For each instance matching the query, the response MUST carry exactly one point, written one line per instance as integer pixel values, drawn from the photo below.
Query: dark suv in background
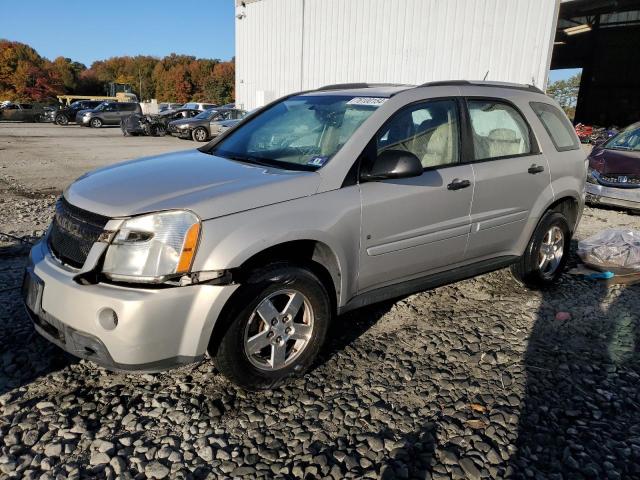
(68, 114)
(107, 113)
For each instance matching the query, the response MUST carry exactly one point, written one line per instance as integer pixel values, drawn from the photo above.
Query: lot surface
(473, 380)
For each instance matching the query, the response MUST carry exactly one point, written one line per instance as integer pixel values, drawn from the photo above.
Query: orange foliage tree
(25, 75)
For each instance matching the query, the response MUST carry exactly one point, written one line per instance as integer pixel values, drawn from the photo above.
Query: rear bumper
(616, 197)
(157, 328)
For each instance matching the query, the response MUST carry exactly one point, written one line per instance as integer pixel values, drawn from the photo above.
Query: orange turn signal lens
(189, 248)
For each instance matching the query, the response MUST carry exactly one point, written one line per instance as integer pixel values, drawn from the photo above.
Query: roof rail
(453, 83)
(344, 86)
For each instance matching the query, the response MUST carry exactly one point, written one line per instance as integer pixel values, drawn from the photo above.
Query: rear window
(557, 126)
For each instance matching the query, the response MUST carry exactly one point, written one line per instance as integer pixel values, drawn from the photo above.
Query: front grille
(73, 232)
(631, 179)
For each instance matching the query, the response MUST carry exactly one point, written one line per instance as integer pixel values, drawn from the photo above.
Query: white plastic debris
(615, 250)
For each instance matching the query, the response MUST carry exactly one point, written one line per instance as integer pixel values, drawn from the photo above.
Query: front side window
(429, 130)
(498, 130)
(557, 126)
(300, 132)
(627, 139)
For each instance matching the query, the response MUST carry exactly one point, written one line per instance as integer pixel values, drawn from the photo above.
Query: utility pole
(140, 80)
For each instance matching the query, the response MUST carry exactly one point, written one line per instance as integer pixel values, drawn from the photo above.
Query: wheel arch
(569, 206)
(313, 254)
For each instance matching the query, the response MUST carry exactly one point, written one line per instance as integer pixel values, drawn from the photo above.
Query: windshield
(628, 139)
(206, 115)
(301, 132)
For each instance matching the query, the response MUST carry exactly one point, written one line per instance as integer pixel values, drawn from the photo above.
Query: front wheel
(96, 123)
(274, 328)
(546, 254)
(62, 119)
(200, 134)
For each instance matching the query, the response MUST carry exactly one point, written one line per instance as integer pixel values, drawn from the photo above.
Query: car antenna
(485, 76)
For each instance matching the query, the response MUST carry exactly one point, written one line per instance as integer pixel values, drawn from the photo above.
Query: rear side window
(557, 126)
(498, 129)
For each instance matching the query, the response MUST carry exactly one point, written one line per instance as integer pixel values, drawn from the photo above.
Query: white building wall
(287, 45)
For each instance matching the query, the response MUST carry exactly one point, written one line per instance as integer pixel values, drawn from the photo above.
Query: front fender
(332, 218)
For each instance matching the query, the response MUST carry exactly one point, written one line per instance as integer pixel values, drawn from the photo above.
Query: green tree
(565, 92)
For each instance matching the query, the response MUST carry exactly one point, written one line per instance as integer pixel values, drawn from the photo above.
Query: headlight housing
(153, 248)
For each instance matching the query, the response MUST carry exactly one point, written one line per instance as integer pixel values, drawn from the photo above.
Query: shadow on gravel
(581, 412)
(24, 354)
(347, 328)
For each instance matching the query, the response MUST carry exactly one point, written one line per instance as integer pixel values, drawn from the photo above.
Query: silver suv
(319, 203)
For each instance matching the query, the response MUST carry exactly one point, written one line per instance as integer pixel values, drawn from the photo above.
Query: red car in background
(613, 176)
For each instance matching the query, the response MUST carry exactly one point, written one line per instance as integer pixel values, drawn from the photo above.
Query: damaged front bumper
(156, 328)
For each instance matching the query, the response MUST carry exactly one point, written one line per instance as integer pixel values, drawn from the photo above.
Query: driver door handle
(457, 184)
(533, 169)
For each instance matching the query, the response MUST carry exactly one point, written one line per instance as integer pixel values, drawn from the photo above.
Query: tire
(270, 289)
(551, 239)
(160, 131)
(62, 119)
(200, 134)
(95, 122)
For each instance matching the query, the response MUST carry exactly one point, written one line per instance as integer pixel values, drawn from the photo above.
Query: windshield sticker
(318, 161)
(367, 101)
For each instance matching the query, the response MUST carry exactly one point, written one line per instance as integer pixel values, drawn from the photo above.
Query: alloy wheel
(551, 251)
(200, 135)
(279, 330)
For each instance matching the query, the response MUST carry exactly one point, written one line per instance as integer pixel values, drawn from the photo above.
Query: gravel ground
(479, 379)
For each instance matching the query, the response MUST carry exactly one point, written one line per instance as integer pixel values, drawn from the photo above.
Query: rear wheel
(546, 254)
(96, 123)
(274, 327)
(200, 134)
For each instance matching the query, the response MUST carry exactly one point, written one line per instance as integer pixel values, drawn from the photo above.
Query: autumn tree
(25, 75)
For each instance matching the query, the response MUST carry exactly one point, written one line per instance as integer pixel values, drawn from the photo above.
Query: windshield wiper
(246, 159)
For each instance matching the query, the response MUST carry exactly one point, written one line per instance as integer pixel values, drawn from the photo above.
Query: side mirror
(393, 164)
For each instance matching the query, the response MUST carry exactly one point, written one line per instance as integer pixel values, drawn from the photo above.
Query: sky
(562, 74)
(86, 31)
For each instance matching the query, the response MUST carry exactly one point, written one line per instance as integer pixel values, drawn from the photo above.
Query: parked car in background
(177, 114)
(22, 112)
(219, 127)
(222, 126)
(138, 124)
(68, 114)
(199, 105)
(614, 170)
(168, 106)
(107, 113)
(327, 201)
(199, 128)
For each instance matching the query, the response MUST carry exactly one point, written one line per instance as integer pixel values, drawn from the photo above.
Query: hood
(209, 186)
(609, 161)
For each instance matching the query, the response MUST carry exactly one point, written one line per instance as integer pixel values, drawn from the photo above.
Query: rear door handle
(458, 184)
(533, 169)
